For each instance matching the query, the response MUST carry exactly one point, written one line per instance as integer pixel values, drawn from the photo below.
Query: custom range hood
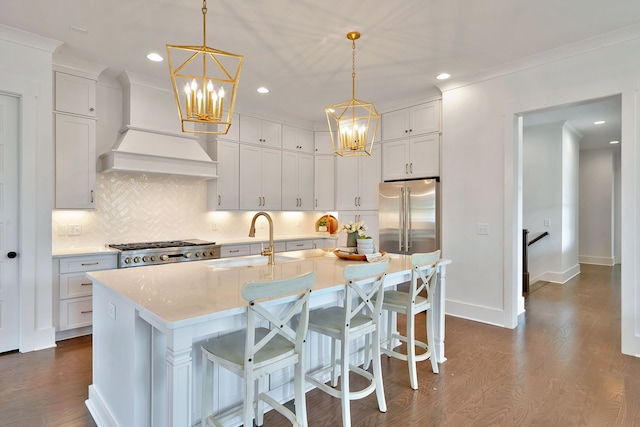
(151, 141)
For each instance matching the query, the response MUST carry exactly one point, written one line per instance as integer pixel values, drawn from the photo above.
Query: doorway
(9, 283)
(570, 171)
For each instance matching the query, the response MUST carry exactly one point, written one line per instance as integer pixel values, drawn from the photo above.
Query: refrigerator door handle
(401, 222)
(409, 219)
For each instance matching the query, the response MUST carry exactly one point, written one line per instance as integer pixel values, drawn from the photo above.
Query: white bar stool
(410, 304)
(358, 317)
(258, 351)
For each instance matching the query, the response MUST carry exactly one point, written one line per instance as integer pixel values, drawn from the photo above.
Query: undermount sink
(246, 261)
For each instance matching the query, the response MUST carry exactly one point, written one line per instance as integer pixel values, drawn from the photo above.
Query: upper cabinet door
(75, 162)
(297, 139)
(263, 132)
(75, 95)
(425, 118)
(417, 120)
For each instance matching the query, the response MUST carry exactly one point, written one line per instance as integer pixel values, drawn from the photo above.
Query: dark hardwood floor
(561, 366)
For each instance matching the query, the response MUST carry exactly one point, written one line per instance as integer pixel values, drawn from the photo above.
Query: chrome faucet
(270, 252)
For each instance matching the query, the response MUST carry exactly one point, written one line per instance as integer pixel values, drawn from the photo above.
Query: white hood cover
(148, 147)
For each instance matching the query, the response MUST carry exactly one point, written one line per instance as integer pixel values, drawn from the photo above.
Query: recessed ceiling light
(614, 142)
(263, 89)
(154, 57)
(599, 122)
(443, 76)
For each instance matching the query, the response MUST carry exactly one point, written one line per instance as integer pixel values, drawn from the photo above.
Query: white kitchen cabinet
(258, 131)
(297, 181)
(75, 95)
(322, 142)
(72, 299)
(357, 180)
(297, 139)
(75, 162)
(416, 120)
(324, 182)
(223, 192)
(411, 158)
(260, 178)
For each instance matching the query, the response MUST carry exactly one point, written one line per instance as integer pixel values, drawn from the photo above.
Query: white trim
(596, 260)
(558, 277)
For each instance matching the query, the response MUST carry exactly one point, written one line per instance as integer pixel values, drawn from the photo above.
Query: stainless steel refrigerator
(408, 217)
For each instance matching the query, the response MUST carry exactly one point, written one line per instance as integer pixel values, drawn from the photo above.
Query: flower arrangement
(355, 227)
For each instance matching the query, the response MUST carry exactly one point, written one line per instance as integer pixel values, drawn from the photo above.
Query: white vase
(365, 246)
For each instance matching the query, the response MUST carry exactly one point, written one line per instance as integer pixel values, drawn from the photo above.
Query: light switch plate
(482, 228)
(547, 222)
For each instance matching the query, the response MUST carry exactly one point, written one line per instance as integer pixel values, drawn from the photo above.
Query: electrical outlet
(214, 226)
(547, 222)
(74, 229)
(62, 230)
(482, 228)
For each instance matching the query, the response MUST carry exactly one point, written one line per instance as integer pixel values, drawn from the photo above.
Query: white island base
(149, 323)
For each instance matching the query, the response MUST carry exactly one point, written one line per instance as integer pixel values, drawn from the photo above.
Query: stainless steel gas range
(155, 253)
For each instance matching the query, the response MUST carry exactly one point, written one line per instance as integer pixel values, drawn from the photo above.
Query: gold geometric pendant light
(352, 123)
(205, 84)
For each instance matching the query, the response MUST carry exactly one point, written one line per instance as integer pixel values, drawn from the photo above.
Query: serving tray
(353, 257)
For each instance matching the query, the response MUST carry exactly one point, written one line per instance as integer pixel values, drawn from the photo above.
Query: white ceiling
(299, 49)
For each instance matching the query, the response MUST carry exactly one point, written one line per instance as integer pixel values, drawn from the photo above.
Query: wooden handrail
(546, 233)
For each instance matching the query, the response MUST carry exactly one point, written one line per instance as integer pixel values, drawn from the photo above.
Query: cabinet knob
(92, 109)
(12, 254)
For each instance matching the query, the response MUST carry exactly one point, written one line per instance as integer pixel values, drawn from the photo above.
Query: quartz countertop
(178, 294)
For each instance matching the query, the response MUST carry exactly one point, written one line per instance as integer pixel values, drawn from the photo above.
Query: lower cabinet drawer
(75, 285)
(235, 250)
(298, 245)
(75, 313)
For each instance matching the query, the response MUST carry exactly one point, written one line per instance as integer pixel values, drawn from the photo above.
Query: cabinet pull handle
(234, 251)
(91, 196)
(411, 167)
(259, 201)
(358, 202)
(86, 284)
(90, 263)
(86, 311)
(219, 200)
(406, 168)
(355, 201)
(300, 244)
(316, 203)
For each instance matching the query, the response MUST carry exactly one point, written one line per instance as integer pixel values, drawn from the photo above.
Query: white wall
(569, 266)
(597, 207)
(26, 71)
(479, 141)
(542, 196)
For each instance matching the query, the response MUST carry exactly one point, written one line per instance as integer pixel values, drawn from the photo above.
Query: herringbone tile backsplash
(139, 207)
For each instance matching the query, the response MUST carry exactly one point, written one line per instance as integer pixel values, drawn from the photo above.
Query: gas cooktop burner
(158, 245)
(153, 253)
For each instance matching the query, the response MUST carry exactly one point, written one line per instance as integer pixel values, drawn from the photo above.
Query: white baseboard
(597, 260)
(476, 313)
(557, 277)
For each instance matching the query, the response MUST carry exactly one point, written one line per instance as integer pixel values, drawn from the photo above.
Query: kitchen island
(149, 323)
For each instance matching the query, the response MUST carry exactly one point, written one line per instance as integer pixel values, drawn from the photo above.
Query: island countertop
(180, 293)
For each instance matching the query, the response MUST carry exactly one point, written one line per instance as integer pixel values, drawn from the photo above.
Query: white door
(9, 298)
